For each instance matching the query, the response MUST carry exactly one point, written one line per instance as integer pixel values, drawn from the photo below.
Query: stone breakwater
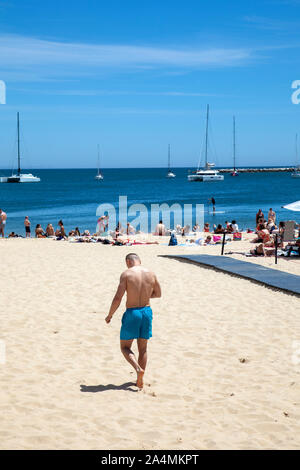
(256, 170)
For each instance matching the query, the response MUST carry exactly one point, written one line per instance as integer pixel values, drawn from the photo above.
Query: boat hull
(25, 178)
(205, 178)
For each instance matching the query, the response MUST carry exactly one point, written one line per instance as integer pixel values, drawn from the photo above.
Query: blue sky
(134, 76)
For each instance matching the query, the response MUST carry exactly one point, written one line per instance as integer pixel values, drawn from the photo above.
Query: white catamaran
(99, 175)
(170, 173)
(296, 172)
(207, 173)
(19, 177)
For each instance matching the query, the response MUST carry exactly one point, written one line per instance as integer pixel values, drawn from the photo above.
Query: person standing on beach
(259, 215)
(3, 217)
(272, 215)
(140, 285)
(27, 226)
(160, 229)
(106, 221)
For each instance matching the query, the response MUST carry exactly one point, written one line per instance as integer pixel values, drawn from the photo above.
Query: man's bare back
(140, 284)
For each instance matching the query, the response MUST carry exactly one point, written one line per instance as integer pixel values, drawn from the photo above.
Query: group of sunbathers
(49, 232)
(228, 227)
(268, 235)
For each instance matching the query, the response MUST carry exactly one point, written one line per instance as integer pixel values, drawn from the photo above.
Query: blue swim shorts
(136, 323)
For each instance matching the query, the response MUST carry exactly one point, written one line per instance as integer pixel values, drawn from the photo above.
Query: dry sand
(65, 384)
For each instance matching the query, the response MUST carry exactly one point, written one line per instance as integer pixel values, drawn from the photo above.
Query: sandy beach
(221, 373)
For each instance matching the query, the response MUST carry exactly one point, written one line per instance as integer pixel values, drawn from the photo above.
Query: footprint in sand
(188, 398)
(191, 354)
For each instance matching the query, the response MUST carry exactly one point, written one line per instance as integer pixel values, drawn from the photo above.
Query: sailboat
(296, 172)
(208, 173)
(235, 172)
(20, 177)
(170, 173)
(99, 175)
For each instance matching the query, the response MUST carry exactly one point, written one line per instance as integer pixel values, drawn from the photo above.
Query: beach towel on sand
(237, 236)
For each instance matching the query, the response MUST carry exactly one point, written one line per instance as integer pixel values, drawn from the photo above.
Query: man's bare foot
(139, 382)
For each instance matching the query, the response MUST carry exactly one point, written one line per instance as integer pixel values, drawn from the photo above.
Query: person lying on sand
(208, 240)
(140, 285)
(293, 246)
(13, 235)
(260, 250)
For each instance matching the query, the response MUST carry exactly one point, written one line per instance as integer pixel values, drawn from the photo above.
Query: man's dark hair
(133, 257)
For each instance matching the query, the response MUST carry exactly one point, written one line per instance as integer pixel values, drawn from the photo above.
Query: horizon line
(149, 167)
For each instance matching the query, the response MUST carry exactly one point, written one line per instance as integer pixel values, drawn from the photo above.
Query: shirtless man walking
(3, 218)
(141, 285)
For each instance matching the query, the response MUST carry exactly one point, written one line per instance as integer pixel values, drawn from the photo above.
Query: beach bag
(237, 236)
(216, 239)
(173, 240)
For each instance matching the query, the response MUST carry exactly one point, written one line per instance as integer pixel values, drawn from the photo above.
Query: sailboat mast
(19, 159)
(206, 135)
(98, 147)
(169, 158)
(234, 143)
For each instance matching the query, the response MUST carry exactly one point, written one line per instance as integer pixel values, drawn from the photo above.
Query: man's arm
(117, 298)
(156, 293)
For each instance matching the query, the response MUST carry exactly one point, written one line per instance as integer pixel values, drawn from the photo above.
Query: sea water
(73, 195)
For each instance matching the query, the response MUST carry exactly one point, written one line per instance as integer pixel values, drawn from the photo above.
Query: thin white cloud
(91, 92)
(271, 24)
(75, 111)
(285, 2)
(28, 59)
(182, 93)
(50, 57)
